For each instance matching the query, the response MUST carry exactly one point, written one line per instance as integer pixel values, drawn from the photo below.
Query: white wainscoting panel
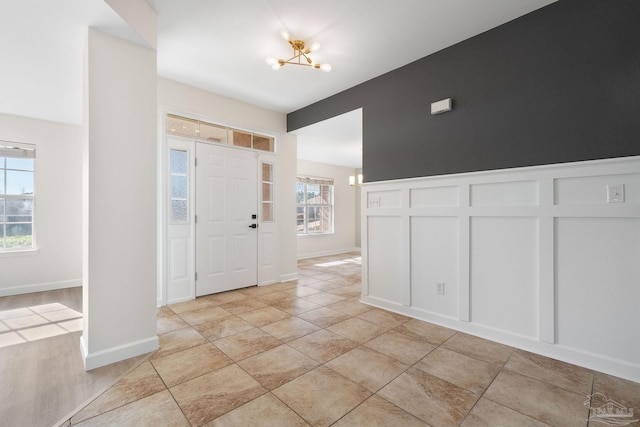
(386, 199)
(593, 189)
(524, 193)
(598, 285)
(434, 258)
(504, 274)
(435, 196)
(385, 275)
(531, 257)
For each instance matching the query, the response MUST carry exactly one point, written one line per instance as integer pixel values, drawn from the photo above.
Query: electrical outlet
(615, 193)
(439, 288)
(374, 202)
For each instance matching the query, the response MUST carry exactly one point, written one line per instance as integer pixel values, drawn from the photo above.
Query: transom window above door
(198, 129)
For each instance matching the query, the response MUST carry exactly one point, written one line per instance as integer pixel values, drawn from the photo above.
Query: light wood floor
(42, 381)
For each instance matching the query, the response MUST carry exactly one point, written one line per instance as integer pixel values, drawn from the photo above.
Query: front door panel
(226, 199)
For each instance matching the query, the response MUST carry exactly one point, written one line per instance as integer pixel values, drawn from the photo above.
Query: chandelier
(301, 56)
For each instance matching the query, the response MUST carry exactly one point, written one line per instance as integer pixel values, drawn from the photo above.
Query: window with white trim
(314, 198)
(16, 195)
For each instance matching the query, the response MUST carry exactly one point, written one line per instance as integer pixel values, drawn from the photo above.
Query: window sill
(8, 253)
(316, 234)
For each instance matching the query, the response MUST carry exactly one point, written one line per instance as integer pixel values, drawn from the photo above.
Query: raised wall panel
(504, 274)
(598, 285)
(434, 197)
(524, 193)
(434, 258)
(387, 199)
(593, 189)
(385, 252)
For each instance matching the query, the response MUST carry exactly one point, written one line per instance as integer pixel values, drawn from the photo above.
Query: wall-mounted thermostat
(440, 107)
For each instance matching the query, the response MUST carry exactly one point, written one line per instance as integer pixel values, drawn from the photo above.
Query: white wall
(532, 257)
(119, 200)
(344, 217)
(358, 211)
(197, 103)
(58, 215)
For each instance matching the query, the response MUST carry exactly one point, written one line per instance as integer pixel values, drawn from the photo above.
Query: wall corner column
(119, 200)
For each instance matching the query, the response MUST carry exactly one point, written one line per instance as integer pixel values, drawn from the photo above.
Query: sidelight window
(267, 192)
(179, 186)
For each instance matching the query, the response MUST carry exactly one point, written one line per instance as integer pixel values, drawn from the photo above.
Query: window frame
(14, 150)
(305, 205)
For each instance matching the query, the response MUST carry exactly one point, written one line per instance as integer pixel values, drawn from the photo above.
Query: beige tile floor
(309, 353)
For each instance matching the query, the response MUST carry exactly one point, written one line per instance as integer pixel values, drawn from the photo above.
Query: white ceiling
(336, 141)
(221, 46)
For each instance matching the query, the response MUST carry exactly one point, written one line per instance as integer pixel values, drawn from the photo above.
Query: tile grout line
(488, 386)
(168, 389)
(103, 391)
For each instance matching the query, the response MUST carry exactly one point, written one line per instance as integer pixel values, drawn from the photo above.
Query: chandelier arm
(309, 60)
(294, 57)
(299, 52)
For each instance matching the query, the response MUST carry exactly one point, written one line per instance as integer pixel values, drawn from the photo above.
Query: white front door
(226, 211)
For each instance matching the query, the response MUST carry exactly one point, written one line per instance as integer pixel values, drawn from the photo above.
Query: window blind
(17, 150)
(317, 181)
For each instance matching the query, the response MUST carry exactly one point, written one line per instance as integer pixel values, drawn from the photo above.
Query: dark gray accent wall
(558, 85)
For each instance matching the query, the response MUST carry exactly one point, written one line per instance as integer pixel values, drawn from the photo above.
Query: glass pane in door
(178, 186)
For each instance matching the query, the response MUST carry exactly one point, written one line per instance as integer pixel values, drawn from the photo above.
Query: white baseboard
(40, 287)
(116, 354)
(182, 299)
(289, 277)
(618, 368)
(328, 253)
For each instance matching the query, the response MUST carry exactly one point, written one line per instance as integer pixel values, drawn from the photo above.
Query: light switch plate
(374, 202)
(615, 193)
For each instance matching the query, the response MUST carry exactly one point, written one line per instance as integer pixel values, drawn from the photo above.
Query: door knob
(253, 226)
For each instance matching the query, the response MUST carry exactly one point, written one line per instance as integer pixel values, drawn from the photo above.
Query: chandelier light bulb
(276, 66)
(315, 46)
(285, 35)
(271, 60)
(325, 67)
